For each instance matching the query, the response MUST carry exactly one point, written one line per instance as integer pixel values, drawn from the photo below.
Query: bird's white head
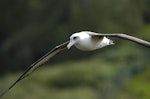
(74, 38)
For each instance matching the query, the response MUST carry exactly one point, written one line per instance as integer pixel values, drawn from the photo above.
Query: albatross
(85, 40)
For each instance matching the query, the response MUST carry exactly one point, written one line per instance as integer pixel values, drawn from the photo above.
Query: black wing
(122, 36)
(37, 64)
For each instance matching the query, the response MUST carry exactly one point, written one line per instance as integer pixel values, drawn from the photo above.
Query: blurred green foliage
(85, 79)
(30, 28)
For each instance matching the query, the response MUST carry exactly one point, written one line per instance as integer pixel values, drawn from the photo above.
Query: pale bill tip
(71, 43)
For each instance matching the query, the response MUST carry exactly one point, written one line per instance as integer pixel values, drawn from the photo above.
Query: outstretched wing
(122, 36)
(37, 64)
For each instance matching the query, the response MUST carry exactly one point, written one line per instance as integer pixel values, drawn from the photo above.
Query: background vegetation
(30, 28)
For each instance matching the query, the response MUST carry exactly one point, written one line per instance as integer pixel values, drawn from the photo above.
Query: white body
(86, 42)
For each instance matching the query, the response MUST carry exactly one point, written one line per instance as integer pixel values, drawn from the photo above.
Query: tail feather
(111, 42)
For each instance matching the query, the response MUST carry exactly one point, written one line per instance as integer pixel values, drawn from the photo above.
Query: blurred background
(30, 28)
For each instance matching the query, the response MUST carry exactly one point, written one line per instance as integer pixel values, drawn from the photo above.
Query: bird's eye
(75, 37)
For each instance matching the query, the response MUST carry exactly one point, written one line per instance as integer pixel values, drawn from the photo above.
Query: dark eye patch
(75, 37)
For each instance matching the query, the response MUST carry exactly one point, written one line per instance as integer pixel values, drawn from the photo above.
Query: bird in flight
(84, 40)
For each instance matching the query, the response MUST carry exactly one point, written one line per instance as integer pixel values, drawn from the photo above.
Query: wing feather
(37, 64)
(95, 36)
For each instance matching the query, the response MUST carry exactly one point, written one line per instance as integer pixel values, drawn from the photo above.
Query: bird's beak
(71, 43)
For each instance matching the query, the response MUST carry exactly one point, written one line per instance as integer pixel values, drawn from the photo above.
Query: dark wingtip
(4, 92)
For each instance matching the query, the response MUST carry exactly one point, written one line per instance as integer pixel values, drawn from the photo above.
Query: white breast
(88, 44)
